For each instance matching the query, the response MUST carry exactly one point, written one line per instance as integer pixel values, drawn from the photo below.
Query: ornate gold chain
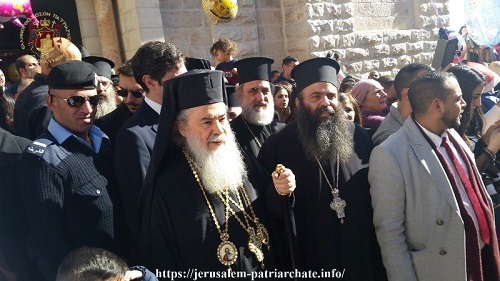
(257, 236)
(227, 253)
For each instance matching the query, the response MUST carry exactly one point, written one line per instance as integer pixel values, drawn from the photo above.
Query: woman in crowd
(484, 143)
(472, 83)
(371, 98)
(351, 108)
(282, 94)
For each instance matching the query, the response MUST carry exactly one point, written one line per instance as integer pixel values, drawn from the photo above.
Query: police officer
(66, 174)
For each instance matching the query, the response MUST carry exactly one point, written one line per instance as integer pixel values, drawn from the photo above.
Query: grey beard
(107, 103)
(220, 169)
(258, 118)
(325, 139)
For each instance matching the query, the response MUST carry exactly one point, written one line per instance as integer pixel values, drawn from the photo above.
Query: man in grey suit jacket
(402, 109)
(154, 63)
(432, 224)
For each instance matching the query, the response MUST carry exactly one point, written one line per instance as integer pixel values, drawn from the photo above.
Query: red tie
(462, 173)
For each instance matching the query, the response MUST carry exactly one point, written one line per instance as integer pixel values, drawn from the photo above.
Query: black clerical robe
(321, 241)
(247, 140)
(178, 231)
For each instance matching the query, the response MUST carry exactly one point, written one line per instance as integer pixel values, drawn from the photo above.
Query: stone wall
(88, 26)
(257, 29)
(369, 34)
(139, 22)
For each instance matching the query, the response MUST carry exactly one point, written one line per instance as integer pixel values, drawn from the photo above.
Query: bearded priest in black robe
(201, 208)
(255, 96)
(330, 218)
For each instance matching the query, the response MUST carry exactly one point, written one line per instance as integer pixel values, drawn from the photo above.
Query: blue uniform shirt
(61, 134)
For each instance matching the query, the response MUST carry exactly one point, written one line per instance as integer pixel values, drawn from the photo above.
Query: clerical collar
(154, 105)
(433, 137)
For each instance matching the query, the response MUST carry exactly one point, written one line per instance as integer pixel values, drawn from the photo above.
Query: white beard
(107, 103)
(264, 117)
(220, 169)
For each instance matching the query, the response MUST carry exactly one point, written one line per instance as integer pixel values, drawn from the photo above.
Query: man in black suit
(153, 64)
(132, 94)
(13, 252)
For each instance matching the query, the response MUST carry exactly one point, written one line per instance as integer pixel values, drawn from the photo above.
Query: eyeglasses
(136, 93)
(104, 83)
(77, 101)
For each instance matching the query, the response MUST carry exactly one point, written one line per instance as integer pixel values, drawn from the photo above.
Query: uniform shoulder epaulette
(39, 146)
(48, 151)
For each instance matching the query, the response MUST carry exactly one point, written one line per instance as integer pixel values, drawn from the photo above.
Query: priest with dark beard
(255, 96)
(201, 208)
(329, 224)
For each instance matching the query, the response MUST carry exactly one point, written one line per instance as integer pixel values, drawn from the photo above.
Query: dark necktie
(474, 200)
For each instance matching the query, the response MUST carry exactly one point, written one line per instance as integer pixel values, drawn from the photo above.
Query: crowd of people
(170, 164)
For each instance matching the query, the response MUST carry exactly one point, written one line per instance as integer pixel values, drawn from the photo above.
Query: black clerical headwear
(72, 75)
(103, 65)
(254, 68)
(231, 96)
(197, 63)
(194, 88)
(315, 70)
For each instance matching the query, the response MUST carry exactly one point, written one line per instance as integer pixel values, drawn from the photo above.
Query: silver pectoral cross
(338, 205)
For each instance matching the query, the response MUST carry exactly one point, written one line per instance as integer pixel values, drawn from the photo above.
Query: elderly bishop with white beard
(201, 208)
(329, 156)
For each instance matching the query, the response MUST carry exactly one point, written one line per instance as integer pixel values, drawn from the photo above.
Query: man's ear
(50, 102)
(239, 94)
(404, 93)
(21, 71)
(182, 128)
(297, 102)
(150, 82)
(437, 106)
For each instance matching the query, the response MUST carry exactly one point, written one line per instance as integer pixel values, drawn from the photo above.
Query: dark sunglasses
(136, 93)
(77, 101)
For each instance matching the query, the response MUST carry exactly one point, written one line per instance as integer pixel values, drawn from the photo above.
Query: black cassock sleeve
(157, 239)
(280, 211)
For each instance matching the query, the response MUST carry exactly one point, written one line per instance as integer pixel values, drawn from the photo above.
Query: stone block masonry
(383, 34)
(369, 34)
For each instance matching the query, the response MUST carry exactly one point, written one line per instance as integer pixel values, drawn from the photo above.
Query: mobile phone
(444, 53)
